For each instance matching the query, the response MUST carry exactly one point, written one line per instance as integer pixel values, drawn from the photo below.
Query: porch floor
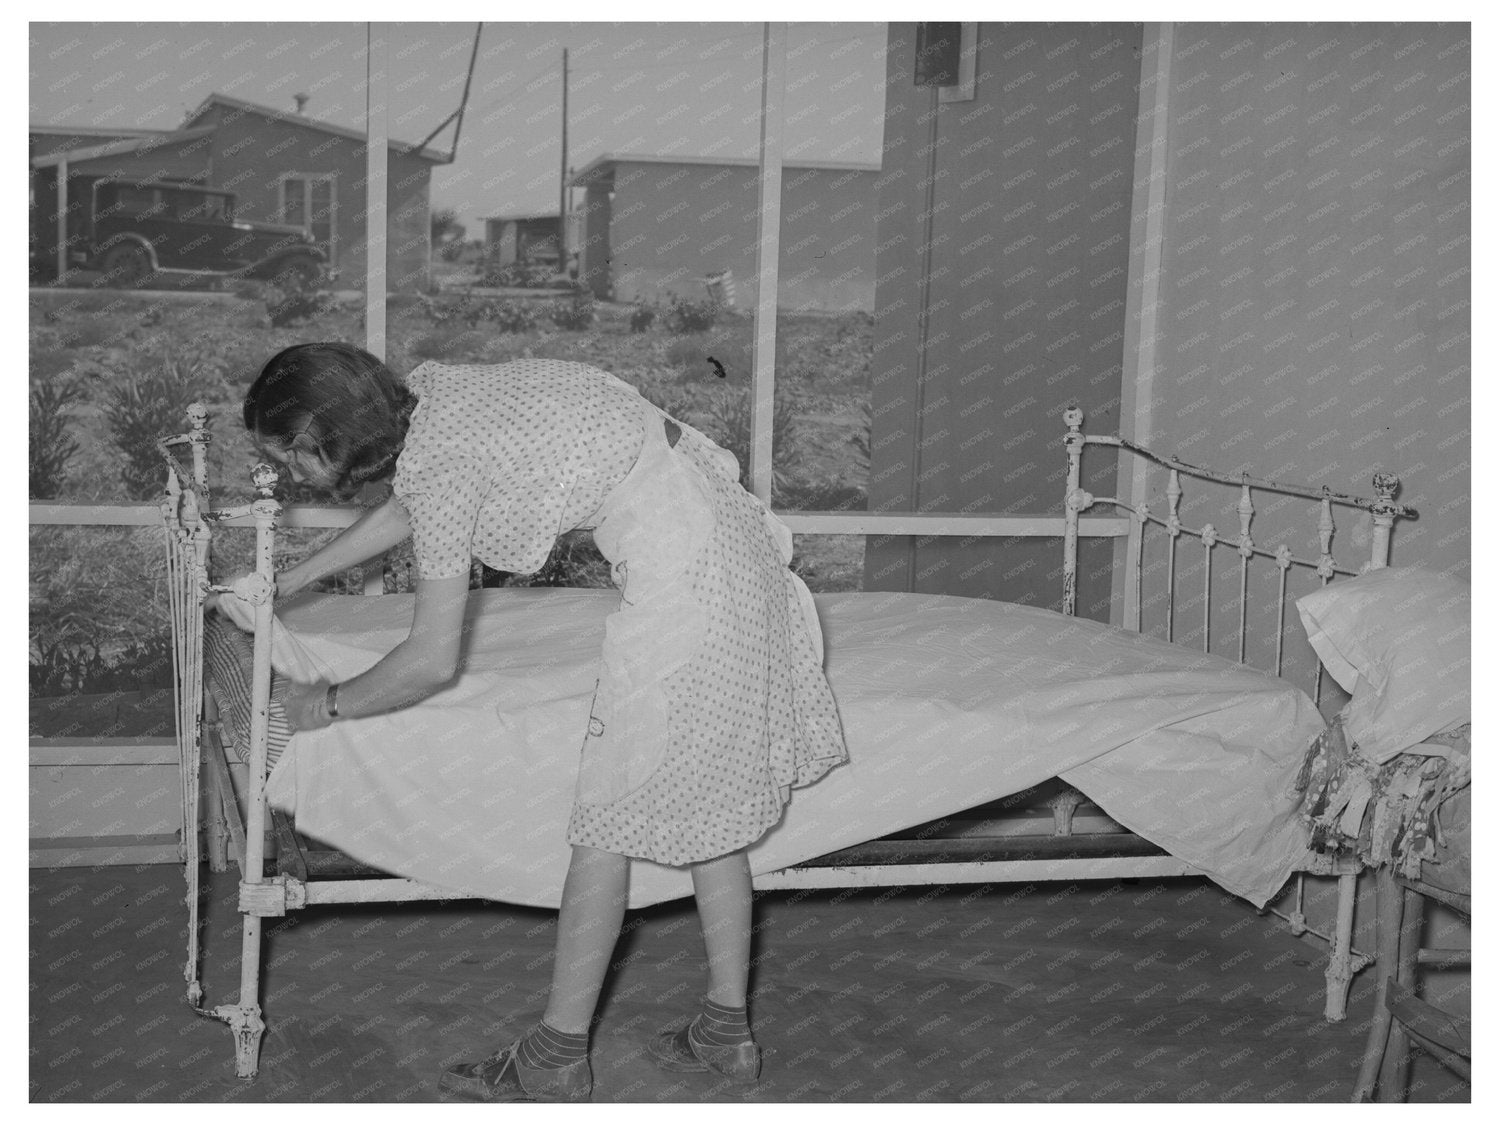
(1159, 991)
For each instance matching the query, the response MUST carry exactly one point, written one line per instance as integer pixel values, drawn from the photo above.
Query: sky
(646, 88)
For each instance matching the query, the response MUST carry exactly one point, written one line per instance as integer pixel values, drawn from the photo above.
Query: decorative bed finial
(264, 477)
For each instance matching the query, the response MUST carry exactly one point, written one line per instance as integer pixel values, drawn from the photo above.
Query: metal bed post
(187, 545)
(1343, 962)
(1074, 503)
(258, 588)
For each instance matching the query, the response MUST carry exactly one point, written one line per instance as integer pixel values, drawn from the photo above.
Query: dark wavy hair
(337, 400)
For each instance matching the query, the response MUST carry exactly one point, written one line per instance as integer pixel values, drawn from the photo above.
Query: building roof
(601, 169)
(96, 131)
(144, 144)
(521, 216)
(291, 117)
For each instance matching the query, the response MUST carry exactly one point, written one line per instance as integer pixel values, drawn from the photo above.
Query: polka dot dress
(500, 460)
(749, 717)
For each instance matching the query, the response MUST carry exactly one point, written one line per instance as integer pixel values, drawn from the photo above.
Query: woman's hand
(305, 704)
(235, 605)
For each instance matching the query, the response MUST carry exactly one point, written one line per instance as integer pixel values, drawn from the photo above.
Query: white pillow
(1397, 640)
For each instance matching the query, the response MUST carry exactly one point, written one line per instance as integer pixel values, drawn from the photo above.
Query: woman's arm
(375, 532)
(417, 667)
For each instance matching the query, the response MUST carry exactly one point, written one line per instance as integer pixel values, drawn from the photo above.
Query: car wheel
(127, 266)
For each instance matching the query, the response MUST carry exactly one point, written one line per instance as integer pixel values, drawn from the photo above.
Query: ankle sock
(546, 1048)
(718, 1026)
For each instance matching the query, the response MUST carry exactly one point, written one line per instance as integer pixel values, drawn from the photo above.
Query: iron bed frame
(968, 848)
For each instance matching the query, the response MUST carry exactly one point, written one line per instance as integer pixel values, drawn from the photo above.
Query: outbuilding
(662, 226)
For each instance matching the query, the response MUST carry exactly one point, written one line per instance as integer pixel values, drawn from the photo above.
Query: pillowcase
(228, 668)
(1397, 640)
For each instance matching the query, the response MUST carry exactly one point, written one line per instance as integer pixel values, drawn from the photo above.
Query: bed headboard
(1382, 508)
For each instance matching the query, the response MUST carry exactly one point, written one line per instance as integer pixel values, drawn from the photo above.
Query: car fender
(128, 236)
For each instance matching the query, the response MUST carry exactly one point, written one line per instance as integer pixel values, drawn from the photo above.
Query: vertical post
(1389, 906)
(1283, 564)
(1325, 572)
(1073, 442)
(1174, 528)
(562, 178)
(767, 259)
(1246, 550)
(1383, 515)
(1340, 969)
(1209, 537)
(246, 1020)
(62, 221)
(1135, 587)
(1142, 294)
(377, 155)
(198, 439)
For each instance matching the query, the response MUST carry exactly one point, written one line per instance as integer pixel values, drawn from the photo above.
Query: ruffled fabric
(1383, 812)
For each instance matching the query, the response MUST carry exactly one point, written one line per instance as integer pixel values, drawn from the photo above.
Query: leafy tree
(446, 227)
(51, 448)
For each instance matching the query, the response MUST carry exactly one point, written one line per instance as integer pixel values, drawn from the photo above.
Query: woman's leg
(718, 1038)
(588, 927)
(722, 888)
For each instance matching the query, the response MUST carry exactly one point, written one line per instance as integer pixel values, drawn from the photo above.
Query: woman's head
(331, 412)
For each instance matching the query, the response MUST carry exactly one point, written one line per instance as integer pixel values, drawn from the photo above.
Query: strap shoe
(681, 1051)
(505, 1078)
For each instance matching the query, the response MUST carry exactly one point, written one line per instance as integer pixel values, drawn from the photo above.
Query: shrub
(141, 409)
(441, 345)
(574, 315)
(508, 316)
(294, 299)
(84, 668)
(692, 316)
(437, 310)
(88, 334)
(51, 448)
(512, 316)
(641, 318)
(729, 418)
(514, 275)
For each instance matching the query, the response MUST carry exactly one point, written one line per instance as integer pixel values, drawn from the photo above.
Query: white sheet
(946, 702)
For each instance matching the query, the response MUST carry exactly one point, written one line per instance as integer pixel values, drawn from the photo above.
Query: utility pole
(562, 184)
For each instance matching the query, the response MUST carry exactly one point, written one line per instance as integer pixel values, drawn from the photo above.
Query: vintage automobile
(132, 231)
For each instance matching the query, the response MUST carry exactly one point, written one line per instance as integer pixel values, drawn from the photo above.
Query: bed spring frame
(1083, 843)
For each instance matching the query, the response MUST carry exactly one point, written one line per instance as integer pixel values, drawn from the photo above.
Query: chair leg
(1389, 901)
(1403, 970)
(1341, 953)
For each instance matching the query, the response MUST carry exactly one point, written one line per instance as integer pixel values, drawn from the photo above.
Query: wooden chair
(1401, 1019)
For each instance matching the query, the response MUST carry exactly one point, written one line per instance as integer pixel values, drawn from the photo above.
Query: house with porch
(283, 166)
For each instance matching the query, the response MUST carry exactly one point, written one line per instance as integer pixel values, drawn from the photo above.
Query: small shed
(655, 226)
(522, 238)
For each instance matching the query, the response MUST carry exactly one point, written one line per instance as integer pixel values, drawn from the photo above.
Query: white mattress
(946, 703)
